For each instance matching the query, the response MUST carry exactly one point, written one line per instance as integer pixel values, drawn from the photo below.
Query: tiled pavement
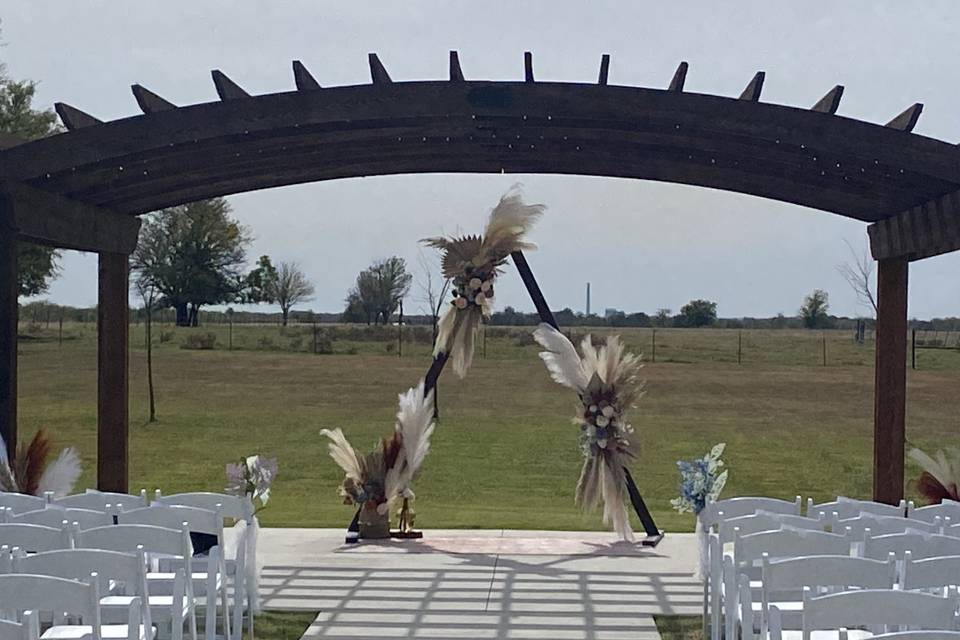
(479, 584)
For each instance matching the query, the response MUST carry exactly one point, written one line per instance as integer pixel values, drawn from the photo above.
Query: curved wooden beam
(753, 89)
(604, 68)
(528, 66)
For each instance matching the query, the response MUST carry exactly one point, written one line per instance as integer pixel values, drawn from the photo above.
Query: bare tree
(433, 292)
(289, 287)
(149, 295)
(859, 275)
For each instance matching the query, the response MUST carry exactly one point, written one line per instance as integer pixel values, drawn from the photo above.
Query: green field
(504, 453)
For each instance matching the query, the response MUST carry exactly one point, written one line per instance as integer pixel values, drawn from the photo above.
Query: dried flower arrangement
(940, 479)
(32, 472)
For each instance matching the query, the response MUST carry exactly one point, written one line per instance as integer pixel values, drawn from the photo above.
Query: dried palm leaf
(344, 454)
(941, 474)
(31, 462)
(61, 475)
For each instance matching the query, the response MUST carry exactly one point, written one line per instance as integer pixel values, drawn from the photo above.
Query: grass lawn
(504, 453)
(679, 627)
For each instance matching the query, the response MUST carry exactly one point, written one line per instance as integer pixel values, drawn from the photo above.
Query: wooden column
(9, 289)
(112, 366)
(890, 390)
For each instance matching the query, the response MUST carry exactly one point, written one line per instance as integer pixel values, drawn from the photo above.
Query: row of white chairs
(198, 512)
(848, 526)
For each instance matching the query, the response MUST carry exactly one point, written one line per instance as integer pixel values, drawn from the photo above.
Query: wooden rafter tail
(227, 89)
(303, 79)
(73, 118)
(456, 73)
(829, 102)
(149, 101)
(907, 120)
(752, 92)
(528, 66)
(679, 78)
(604, 69)
(378, 73)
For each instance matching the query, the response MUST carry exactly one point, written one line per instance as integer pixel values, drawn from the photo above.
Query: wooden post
(890, 390)
(9, 288)
(913, 350)
(823, 338)
(112, 381)
(740, 347)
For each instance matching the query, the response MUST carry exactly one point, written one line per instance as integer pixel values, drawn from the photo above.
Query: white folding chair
(880, 525)
(945, 509)
(189, 519)
(922, 545)
(123, 576)
(851, 507)
(155, 542)
(100, 500)
(54, 516)
(33, 537)
(20, 502)
(952, 530)
(27, 629)
(783, 581)
(935, 574)
(749, 551)
(892, 610)
(711, 516)
(61, 597)
(240, 509)
(918, 635)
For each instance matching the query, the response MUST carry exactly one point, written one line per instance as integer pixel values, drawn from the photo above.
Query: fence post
(61, 330)
(314, 337)
(740, 346)
(913, 349)
(484, 340)
(653, 339)
(400, 332)
(823, 335)
(230, 333)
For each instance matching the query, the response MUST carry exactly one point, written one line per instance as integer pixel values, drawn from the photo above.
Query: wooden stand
(654, 535)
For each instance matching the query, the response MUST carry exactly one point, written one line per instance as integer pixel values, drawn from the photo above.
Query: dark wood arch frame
(85, 188)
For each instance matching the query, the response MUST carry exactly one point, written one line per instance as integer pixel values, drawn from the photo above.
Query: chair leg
(193, 622)
(225, 604)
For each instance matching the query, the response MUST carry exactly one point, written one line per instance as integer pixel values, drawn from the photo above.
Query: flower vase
(373, 524)
(703, 551)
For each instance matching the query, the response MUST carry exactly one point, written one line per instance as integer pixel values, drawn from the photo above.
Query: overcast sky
(642, 245)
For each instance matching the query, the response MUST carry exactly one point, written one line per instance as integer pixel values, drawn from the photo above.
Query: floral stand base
(374, 525)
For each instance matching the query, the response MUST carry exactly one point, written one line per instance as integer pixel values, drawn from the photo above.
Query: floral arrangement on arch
(701, 481)
(252, 476)
(377, 481)
(940, 479)
(472, 264)
(32, 472)
(608, 385)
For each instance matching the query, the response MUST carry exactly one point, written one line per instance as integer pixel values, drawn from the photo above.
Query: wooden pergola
(84, 189)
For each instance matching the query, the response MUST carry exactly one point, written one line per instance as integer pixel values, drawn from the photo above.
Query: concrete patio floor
(479, 584)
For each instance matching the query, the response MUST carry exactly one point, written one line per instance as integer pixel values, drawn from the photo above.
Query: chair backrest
(851, 507)
(98, 500)
(173, 517)
(34, 537)
(53, 516)
(126, 538)
(877, 607)
(827, 571)
(27, 629)
(918, 635)
(745, 505)
(766, 521)
(952, 530)
(20, 502)
(880, 525)
(27, 592)
(929, 573)
(114, 569)
(787, 543)
(945, 509)
(230, 506)
(922, 545)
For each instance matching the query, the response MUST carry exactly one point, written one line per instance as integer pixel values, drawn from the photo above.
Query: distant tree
(288, 287)
(433, 290)
(698, 313)
(260, 282)
(662, 318)
(37, 264)
(859, 275)
(566, 317)
(354, 311)
(638, 319)
(193, 255)
(814, 309)
(379, 289)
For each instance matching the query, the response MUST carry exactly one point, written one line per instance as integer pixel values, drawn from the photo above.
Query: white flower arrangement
(253, 476)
